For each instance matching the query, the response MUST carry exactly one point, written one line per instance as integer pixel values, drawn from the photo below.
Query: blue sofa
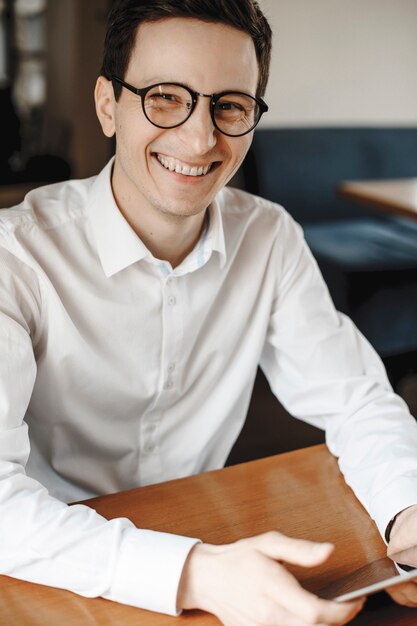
(368, 259)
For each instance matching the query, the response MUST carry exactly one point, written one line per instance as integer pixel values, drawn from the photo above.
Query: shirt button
(169, 384)
(171, 367)
(172, 300)
(150, 447)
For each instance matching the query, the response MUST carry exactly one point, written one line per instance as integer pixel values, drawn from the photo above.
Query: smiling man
(135, 308)
(177, 148)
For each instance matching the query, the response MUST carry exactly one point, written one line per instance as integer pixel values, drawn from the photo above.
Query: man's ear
(105, 105)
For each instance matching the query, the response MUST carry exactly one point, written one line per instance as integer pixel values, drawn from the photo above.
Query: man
(135, 307)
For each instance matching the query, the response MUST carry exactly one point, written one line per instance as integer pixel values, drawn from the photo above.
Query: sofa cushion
(301, 167)
(365, 245)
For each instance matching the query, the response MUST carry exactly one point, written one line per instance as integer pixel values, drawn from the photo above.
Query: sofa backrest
(300, 168)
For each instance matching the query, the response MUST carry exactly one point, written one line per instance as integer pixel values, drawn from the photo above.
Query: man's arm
(326, 373)
(44, 540)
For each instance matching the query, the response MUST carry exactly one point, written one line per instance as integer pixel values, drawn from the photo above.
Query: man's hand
(245, 584)
(404, 539)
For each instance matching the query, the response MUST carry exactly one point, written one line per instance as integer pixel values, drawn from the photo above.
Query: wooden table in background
(393, 196)
(299, 493)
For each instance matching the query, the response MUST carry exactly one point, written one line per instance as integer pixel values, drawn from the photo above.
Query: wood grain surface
(300, 493)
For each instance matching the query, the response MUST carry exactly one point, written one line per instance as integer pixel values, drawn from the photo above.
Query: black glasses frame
(214, 98)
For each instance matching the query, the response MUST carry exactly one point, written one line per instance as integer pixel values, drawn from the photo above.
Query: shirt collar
(215, 235)
(118, 245)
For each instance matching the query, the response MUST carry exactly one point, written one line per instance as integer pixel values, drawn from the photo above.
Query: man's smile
(179, 167)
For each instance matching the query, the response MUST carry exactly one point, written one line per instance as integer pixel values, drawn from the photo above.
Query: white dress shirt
(118, 371)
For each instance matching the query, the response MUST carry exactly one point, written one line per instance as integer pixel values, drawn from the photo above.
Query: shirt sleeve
(326, 373)
(43, 540)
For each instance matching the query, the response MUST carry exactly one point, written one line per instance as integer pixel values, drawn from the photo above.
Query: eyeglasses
(168, 105)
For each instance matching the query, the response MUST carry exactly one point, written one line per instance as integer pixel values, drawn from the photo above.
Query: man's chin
(180, 212)
(185, 205)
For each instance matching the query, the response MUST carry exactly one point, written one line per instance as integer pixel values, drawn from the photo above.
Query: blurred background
(343, 100)
(344, 63)
(50, 52)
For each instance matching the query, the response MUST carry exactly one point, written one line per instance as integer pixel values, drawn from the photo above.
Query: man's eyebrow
(158, 80)
(140, 84)
(154, 81)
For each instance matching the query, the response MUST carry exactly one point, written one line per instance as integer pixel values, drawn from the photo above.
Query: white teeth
(186, 170)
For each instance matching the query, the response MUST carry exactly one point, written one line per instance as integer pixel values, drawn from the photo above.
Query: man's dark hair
(127, 15)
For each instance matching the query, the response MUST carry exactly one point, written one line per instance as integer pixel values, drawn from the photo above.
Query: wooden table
(392, 196)
(299, 493)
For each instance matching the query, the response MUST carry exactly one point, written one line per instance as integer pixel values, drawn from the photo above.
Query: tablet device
(374, 577)
(379, 586)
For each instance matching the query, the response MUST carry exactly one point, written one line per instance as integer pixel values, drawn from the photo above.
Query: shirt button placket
(170, 327)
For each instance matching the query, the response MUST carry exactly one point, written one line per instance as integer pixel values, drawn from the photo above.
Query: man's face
(208, 58)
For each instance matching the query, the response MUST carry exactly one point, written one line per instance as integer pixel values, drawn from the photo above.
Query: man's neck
(168, 238)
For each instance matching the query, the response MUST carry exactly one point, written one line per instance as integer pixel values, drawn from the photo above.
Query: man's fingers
(403, 535)
(295, 551)
(315, 610)
(303, 604)
(405, 594)
(297, 601)
(282, 617)
(278, 617)
(407, 556)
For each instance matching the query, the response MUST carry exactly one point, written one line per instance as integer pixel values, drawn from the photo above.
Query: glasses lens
(236, 113)
(167, 105)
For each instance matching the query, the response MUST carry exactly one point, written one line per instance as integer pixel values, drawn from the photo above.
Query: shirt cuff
(148, 570)
(399, 495)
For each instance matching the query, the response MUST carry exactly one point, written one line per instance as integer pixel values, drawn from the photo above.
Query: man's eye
(163, 96)
(229, 106)
(165, 100)
(168, 96)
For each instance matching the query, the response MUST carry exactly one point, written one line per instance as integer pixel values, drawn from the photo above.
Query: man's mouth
(174, 165)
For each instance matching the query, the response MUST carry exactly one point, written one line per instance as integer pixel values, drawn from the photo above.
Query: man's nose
(199, 131)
